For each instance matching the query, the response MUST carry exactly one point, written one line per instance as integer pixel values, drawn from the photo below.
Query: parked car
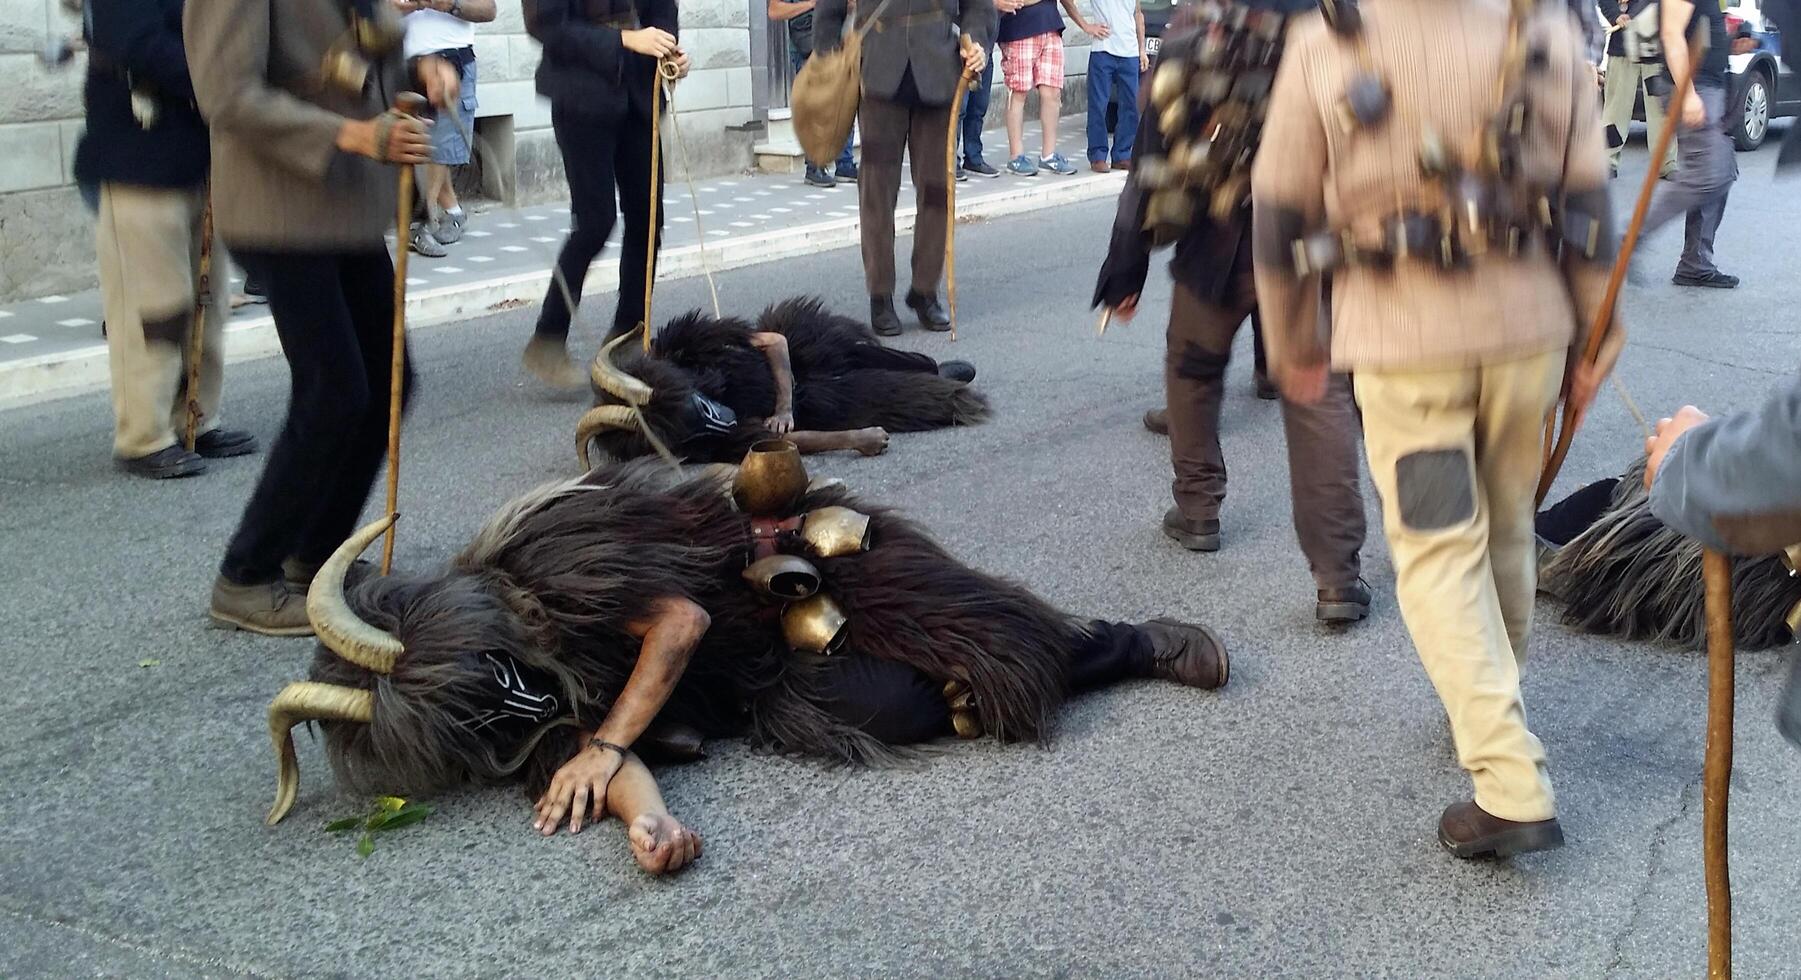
(1760, 86)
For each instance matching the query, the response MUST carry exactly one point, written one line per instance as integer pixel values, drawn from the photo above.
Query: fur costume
(843, 379)
(1629, 575)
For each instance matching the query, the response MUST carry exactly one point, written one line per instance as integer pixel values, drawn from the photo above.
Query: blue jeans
(1109, 74)
(975, 110)
(845, 160)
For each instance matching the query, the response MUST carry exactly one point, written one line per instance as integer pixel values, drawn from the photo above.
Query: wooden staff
(197, 342)
(407, 104)
(1558, 448)
(1716, 574)
(950, 193)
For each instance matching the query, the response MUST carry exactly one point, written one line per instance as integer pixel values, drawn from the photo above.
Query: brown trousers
(891, 130)
(148, 244)
(1325, 483)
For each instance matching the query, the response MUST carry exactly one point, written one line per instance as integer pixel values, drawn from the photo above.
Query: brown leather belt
(1441, 240)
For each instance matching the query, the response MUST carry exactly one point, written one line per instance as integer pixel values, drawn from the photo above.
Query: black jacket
(137, 43)
(586, 68)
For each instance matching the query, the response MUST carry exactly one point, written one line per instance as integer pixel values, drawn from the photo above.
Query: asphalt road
(1282, 827)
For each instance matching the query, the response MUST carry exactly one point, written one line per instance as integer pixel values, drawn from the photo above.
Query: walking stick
(1559, 447)
(950, 194)
(407, 104)
(197, 342)
(1716, 573)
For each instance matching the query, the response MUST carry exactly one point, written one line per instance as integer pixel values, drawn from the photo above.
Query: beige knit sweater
(1442, 60)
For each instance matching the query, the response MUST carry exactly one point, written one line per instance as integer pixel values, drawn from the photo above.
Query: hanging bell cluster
(771, 482)
(1209, 92)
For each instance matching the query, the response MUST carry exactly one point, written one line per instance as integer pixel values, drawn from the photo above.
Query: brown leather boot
(270, 609)
(1343, 606)
(547, 359)
(1469, 831)
(1187, 654)
(1191, 534)
(1157, 420)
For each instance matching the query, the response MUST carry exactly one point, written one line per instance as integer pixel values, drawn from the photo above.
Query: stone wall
(46, 236)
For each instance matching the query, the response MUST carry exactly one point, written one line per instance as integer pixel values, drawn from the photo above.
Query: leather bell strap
(774, 536)
(1411, 235)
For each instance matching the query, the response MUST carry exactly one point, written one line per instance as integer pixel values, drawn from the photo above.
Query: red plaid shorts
(1033, 61)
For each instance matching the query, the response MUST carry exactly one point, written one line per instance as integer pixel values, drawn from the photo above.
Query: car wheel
(1754, 113)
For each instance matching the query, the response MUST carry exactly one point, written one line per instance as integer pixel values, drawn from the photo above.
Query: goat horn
(609, 378)
(333, 622)
(597, 420)
(307, 701)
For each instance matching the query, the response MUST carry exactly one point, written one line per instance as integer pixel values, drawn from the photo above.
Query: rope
(656, 184)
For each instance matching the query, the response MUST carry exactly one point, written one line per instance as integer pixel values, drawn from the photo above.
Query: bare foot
(661, 844)
(872, 441)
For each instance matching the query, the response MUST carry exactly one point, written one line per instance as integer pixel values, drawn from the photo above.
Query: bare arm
(785, 10)
(1082, 24)
(1673, 21)
(775, 347)
(667, 638)
(659, 843)
(1144, 55)
(473, 11)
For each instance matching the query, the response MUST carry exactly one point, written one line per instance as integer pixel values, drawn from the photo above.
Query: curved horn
(597, 420)
(333, 622)
(307, 701)
(607, 376)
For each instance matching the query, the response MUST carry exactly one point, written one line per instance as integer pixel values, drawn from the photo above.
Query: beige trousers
(1625, 80)
(1456, 456)
(148, 242)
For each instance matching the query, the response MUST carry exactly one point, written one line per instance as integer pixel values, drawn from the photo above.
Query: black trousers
(900, 705)
(597, 157)
(877, 357)
(334, 314)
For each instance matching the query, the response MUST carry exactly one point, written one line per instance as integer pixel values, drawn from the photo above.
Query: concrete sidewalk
(52, 347)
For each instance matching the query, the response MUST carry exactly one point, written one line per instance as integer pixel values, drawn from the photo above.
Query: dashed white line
(17, 338)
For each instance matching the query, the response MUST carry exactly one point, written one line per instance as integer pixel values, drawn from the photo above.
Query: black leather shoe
(962, 372)
(1157, 420)
(221, 443)
(1343, 606)
(1469, 831)
(1265, 388)
(1187, 654)
(930, 312)
(1706, 280)
(882, 318)
(164, 464)
(1193, 535)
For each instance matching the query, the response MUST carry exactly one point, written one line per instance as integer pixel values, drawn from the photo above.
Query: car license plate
(1152, 45)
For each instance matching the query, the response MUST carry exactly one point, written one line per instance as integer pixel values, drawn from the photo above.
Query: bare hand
(1144, 63)
(440, 81)
(1304, 384)
(1126, 309)
(578, 789)
(1622, 20)
(779, 423)
(1099, 32)
(974, 58)
(1585, 383)
(652, 42)
(404, 7)
(681, 63)
(1008, 6)
(1668, 429)
(661, 844)
(408, 141)
(1694, 112)
(872, 441)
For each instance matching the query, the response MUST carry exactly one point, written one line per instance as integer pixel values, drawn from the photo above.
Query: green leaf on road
(150, 662)
(339, 826)
(388, 804)
(366, 846)
(405, 817)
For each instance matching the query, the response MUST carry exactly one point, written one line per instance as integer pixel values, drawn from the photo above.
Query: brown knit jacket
(1441, 59)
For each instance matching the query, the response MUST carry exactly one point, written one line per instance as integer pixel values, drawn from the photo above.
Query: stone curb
(75, 372)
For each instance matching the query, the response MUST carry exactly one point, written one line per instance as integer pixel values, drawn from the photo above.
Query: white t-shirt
(433, 30)
(1118, 15)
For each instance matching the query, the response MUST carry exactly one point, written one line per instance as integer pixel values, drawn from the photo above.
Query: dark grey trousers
(1707, 166)
(1325, 482)
(892, 130)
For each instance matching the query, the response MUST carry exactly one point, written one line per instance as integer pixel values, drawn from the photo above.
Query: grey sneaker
(1022, 166)
(271, 608)
(449, 227)
(1056, 164)
(426, 245)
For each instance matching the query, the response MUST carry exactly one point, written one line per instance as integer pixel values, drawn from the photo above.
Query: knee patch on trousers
(1435, 489)
(1614, 138)
(1199, 364)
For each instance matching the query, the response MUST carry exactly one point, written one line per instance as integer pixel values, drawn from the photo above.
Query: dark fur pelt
(1629, 575)
(843, 379)
(553, 579)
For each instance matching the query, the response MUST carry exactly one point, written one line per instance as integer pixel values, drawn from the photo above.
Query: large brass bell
(783, 577)
(965, 720)
(771, 479)
(382, 33)
(814, 625)
(833, 532)
(1167, 84)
